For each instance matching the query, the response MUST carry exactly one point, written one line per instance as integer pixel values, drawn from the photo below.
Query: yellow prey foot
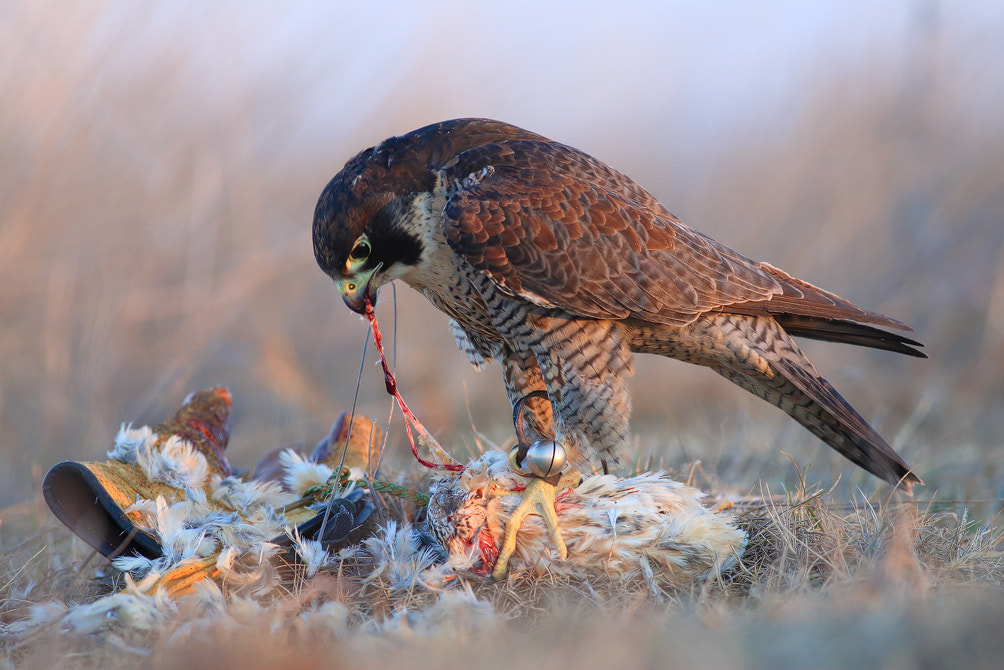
(537, 498)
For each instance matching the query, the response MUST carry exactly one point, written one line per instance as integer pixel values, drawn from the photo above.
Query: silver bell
(545, 458)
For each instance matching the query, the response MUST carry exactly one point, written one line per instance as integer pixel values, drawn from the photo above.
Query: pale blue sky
(685, 73)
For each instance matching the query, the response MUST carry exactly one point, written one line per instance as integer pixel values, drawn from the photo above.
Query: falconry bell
(545, 458)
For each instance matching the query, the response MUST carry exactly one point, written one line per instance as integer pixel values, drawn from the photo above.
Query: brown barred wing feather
(550, 231)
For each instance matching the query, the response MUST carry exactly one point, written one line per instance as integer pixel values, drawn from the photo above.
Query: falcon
(561, 268)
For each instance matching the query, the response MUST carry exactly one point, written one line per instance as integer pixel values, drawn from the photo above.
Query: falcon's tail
(768, 364)
(848, 332)
(805, 310)
(826, 414)
(758, 354)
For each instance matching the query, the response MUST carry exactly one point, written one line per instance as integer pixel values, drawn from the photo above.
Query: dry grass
(837, 583)
(154, 239)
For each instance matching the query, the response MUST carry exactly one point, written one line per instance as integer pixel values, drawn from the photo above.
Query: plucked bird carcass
(642, 527)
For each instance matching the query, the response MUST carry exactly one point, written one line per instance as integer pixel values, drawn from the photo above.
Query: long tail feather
(758, 354)
(848, 332)
(832, 419)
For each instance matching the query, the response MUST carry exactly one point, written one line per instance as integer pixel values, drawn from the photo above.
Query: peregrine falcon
(561, 268)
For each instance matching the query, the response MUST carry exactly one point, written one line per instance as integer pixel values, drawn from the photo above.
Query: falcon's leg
(582, 365)
(522, 378)
(585, 365)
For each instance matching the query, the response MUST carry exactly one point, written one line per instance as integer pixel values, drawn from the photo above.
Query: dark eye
(360, 252)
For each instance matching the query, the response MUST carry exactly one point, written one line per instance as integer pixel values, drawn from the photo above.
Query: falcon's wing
(558, 228)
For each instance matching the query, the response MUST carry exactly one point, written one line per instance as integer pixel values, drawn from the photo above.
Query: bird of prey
(561, 268)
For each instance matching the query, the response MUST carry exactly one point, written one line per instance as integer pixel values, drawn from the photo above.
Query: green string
(322, 491)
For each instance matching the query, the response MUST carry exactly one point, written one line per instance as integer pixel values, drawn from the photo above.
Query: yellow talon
(537, 498)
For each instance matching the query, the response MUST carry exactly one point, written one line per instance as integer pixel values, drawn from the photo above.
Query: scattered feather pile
(222, 527)
(220, 544)
(172, 486)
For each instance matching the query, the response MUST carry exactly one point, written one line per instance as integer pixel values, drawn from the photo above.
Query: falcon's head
(367, 228)
(361, 239)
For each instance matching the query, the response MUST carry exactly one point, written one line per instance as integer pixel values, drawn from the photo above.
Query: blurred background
(160, 162)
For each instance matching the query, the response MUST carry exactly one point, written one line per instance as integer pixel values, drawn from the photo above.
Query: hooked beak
(357, 290)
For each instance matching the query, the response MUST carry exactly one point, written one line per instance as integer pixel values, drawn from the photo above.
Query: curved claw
(538, 498)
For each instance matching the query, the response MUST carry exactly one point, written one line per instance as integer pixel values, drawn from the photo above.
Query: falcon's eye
(361, 251)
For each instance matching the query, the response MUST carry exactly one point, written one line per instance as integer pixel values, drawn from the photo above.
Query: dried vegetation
(876, 582)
